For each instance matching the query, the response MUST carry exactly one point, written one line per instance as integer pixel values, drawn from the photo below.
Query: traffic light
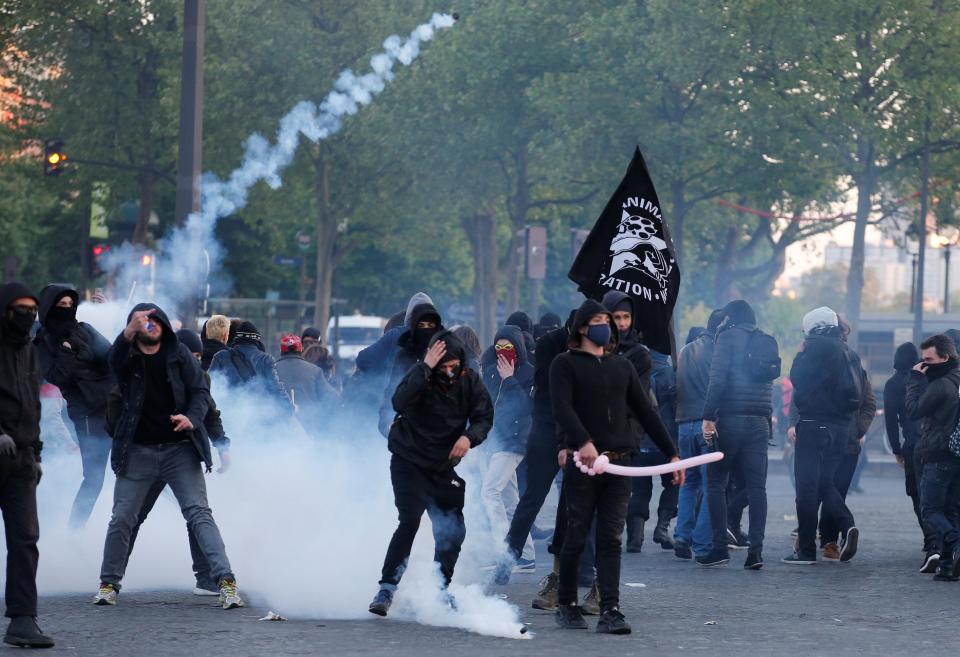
(54, 157)
(97, 251)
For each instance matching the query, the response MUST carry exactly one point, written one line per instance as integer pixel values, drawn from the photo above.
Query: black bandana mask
(61, 321)
(422, 336)
(17, 325)
(939, 370)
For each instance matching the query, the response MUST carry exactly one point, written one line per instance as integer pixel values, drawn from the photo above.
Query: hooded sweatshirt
(894, 400)
(816, 373)
(19, 381)
(246, 363)
(81, 370)
(186, 389)
(432, 414)
(932, 399)
(594, 397)
(512, 401)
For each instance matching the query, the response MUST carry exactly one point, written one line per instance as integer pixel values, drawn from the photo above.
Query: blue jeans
(94, 455)
(693, 518)
(939, 495)
(178, 465)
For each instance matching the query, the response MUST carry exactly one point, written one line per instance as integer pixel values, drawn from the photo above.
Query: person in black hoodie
(423, 322)
(827, 389)
(594, 394)
(246, 363)
(20, 462)
(442, 412)
(897, 420)
(738, 408)
(509, 380)
(214, 336)
(160, 436)
(73, 357)
(621, 307)
(932, 399)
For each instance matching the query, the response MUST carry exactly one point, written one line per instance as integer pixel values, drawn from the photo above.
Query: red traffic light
(100, 249)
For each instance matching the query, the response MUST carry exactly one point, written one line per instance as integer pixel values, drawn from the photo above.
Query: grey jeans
(179, 466)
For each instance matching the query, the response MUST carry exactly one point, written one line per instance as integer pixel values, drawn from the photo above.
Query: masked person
(305, 382)
(160, 437)
(246, 363)
(509, 380)
(442, 412)
(594, 394)
(73, 357)
(20, 462)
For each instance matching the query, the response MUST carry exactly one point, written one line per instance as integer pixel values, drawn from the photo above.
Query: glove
(8, 447)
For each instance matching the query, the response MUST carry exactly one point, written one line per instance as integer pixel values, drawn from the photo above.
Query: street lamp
(912, 247)
(946, 238)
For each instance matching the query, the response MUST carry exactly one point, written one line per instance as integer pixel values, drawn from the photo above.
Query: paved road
(877, 604)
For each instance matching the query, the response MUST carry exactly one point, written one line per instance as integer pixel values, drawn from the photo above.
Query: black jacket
(511, 397)
(895, 399)
(431, 416)
(210, 349)
(19, 383)
(693, 378)
(81, 372)
(191, 393)
(732, 391)
(815, 374)
(408, 354)
(549, 346)
(259, 369)
(593, 398)
(934, 404)
(310, 390)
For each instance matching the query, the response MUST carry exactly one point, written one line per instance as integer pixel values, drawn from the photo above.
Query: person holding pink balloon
(593, 392)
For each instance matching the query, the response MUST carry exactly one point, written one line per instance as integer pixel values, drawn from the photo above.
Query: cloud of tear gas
(189, 252)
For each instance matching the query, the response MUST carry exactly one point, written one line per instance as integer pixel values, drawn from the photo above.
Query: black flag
(630, 250)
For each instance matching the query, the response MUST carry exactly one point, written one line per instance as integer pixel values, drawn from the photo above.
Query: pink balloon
(602, 465)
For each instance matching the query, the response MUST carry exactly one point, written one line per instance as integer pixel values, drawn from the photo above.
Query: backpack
(762, 362)
(244, 369)
(849, 389)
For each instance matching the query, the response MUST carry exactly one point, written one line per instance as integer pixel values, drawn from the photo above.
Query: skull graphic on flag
(636, 246)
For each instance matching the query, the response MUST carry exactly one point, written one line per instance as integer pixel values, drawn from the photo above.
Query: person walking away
(736, 421)
(692, 535)
(73, 357)
(898, 422)
(305, 382)
(932, 399)
(828, 392)
(509, 381)
(20, 470)
(246, 363)
(215, 335)
(593, 393)
(160, 438)
(442, 412)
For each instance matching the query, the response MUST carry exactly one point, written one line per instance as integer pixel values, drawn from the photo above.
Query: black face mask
(59, 314)
(421, 336)
(445, 378)
(17, 324)
(939, 370)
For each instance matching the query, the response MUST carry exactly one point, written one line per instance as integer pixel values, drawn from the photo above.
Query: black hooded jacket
(549, 346)
(815, 374)
(82, 370)
(191, 393)
(693, 377)
(895, 398)
(732, 391)
(19, 382)
(934, 400)
(593, 398)
(432, 415)
(409, 352)
(511, 397)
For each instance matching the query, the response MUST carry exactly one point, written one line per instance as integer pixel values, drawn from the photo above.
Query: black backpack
(763, 357)
(245, 370)
(849, 389)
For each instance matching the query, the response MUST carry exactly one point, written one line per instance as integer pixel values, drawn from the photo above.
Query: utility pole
(922, 234)
(191, 130)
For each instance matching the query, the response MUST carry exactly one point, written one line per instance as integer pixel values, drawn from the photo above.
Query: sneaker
(795, 532)
(956, 564)
(796, 559)
(591, 603)
(24, 632)
(548, 596)
(714, 558)
(570, 617)
(107, 595)
(612, 622)
(682, 551)
(849, 547)
(945, 571)
(754, 561)
(381, 602)
(930, 562)
(538, 534)
(736, 540)
(525, 566)
(448, 601)
(831, 552)
(229, 595)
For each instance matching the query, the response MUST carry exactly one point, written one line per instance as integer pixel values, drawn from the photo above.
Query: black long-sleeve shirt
(592, 398)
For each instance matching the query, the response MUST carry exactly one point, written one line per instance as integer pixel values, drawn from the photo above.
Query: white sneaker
(229, 595)
(107, 595)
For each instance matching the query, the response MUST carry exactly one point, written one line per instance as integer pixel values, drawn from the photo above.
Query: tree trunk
(481, 231)
(326, 236)
(679, 203)
(520, 206)
(922, 234)
(148, 184)
(866, 181)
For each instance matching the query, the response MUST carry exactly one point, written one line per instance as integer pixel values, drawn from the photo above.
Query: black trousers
(820, 450)
(913, 470)
(737, 498)
(829, 527)
(441, 495)
(643, 488)
(607, 496)
(18, 502)
(542, 468)
(201, 567)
